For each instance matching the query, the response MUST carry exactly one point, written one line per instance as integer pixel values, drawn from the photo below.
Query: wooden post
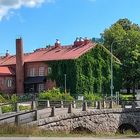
(47, 103)
(84, 106)
(104, 104)
(111, 104)
(133, 105)
(95, 104)
(62, 104)
(74, 104)
(36, 115)
(70, 108)
(17, 107)
(33, 105)
(17, 120)
(53, 111)
(122, 104)
(0, 111)
(99, 105)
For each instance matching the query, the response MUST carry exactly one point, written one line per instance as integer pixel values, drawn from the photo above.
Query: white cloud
(6, 6)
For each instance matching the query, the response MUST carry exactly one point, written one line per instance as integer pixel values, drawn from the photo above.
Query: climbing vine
(88, 73)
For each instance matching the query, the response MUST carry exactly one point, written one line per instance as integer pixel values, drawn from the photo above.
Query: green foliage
(2, 99)
(92, 97)
(14, 98)
(21, 107)
(126, 97)
(88, 73)
(67, 97)
(54, 95)
(26, 97)
(127, 51)
(7, 108)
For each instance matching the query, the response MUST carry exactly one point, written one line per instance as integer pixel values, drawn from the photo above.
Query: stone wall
(97, 121)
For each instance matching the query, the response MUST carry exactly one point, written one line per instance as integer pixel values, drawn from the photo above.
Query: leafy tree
(127, 52)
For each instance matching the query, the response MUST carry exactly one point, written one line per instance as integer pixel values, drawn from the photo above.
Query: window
(41, 87)
(49, 70)
(9, 83)
(32, 72)
(41, 71)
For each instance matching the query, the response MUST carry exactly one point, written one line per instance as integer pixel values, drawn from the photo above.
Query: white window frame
(41, 87)
(41, 71)
(9, 83)
(32, 72)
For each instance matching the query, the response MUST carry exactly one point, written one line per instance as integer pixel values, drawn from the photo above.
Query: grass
(32, 131)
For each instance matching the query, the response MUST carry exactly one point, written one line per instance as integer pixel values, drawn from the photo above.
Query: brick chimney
(19, 67)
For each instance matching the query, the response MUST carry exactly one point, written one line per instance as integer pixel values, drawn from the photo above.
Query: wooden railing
(16, 116)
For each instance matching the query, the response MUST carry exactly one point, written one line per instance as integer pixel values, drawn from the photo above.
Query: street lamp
(65, 82)
(111, 84)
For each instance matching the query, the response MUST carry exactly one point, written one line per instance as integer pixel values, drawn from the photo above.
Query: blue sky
(40, 22)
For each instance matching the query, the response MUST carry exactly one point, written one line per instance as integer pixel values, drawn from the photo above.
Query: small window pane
(32, 72)
(41, 71)
(41, 87)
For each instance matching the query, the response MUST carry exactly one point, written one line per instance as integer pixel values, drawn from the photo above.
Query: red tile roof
(51, 54)
(6, 71)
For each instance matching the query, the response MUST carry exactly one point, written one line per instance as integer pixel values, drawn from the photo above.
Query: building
(28, 72)
(85, 65)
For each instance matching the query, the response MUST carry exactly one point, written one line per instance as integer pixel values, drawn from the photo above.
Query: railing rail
(17, 121)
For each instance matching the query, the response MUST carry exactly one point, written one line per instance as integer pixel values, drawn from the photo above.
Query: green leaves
(55, 95)
(127, 52)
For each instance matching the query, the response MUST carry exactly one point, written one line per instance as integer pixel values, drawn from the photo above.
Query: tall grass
(26, 131)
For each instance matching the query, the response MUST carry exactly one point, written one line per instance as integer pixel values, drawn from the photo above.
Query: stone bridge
(93, 120)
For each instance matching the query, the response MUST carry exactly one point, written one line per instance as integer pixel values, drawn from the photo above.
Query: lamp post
(65, 82)
(111, 84)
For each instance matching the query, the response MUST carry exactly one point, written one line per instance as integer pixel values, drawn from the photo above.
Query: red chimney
(57, 44)
(19, 67)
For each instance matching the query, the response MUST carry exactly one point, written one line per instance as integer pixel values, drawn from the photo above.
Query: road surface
(64, 138)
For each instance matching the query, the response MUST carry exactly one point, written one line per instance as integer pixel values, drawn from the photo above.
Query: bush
(2, 99)
(55, 95)
(26, 97)
(7, 108)
(21, 108)
(92, 97)
(14, 98)
(67, 97)
(126, 97)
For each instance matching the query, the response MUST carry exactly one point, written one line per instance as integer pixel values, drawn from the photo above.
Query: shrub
(26, 97)
(55, 95)
(21, 108)
(14, 98)
(126, 97)
(7, 108)
(2, 99)
(92, 97)
(67, 97)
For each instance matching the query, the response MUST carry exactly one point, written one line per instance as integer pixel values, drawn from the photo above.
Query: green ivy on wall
(88, 73)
